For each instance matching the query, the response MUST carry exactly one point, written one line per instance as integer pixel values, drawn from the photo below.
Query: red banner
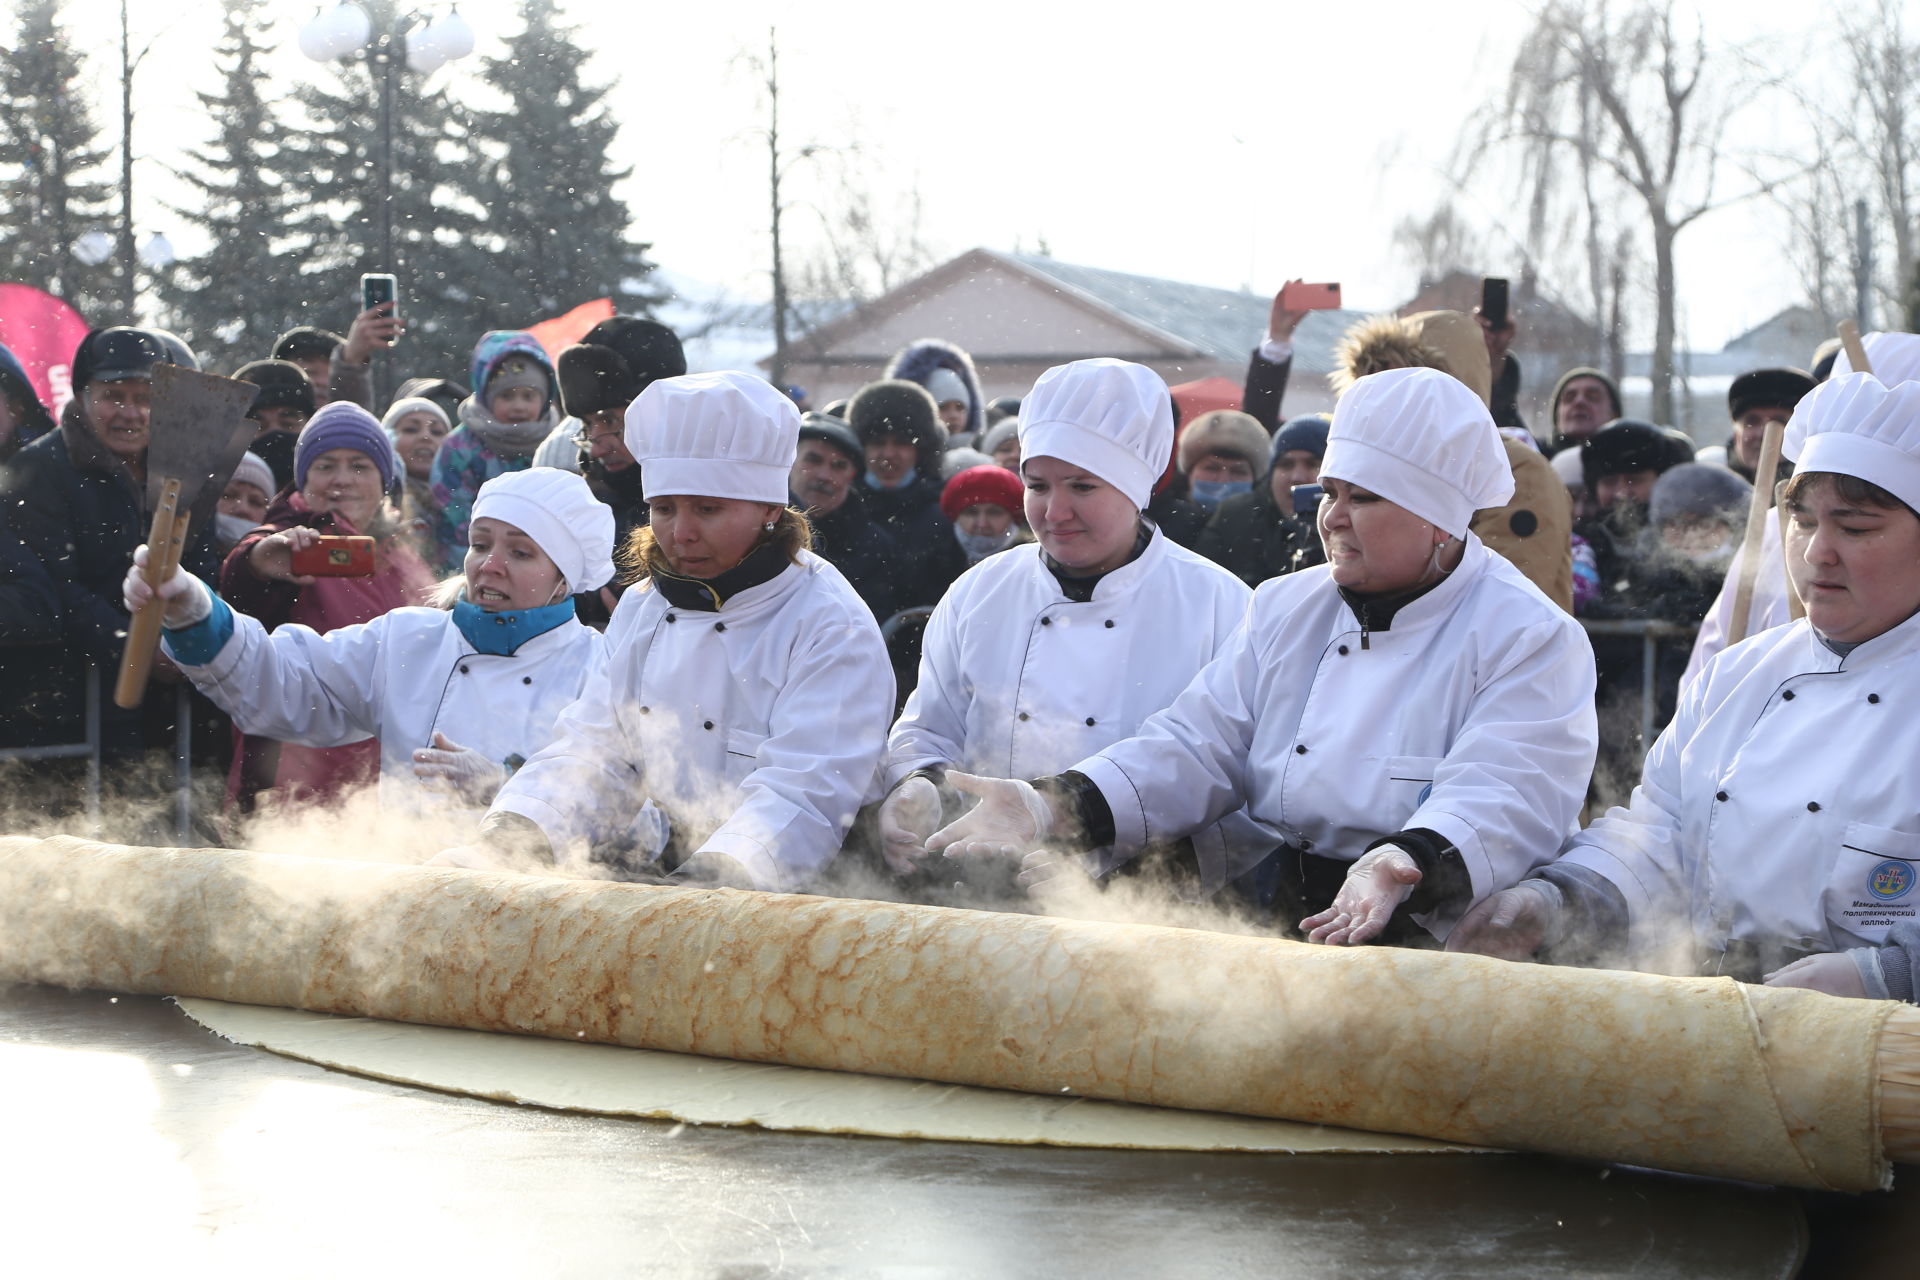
(563, 331)
(43, 333)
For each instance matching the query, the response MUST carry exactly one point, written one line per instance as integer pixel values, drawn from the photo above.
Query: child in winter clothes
(513, 408)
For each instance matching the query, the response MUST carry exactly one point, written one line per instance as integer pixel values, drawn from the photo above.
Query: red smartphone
(336, 557)
(1310, 297)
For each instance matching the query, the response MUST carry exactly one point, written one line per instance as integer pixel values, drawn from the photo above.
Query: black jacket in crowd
(927, 555)
(1253, 539)
(77, 508)
(851, 541)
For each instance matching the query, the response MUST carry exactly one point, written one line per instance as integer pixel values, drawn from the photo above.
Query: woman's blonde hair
(642, 554)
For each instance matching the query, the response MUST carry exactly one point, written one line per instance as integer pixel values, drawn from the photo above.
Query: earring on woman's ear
(768, 526)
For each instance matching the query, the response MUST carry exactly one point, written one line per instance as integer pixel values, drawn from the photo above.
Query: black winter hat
(1766, 389)
(896, 407)
(819, 426)
(306, 342)
(111, 355)
(283, 385)
(1624, 445)
(617, 360)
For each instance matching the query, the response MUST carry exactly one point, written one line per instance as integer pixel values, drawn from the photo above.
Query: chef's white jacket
(1018, 681)
(1781, 805)
(1471, 717)
(757, 729)
(401, 678)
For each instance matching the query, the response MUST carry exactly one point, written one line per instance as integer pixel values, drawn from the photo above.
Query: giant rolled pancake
(1701, 1075)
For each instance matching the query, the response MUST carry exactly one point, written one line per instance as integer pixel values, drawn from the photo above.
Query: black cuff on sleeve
(934, 773)
(1444, 881)
(515, 836)
(1595, 924)
(1075, 799)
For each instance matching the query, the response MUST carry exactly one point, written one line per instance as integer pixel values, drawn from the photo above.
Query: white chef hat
(1422, 440)
(1858, 426)
(1895, 358)
(557, 510)
(1113, 417)
(943, 384)
(716, 435)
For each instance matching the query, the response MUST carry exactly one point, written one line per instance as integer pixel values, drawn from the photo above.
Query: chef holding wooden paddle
(1776, 830)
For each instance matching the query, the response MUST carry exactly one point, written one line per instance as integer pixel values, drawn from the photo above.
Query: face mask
(875, 482)
(230, 529)
(1211, 493)
(979, 546)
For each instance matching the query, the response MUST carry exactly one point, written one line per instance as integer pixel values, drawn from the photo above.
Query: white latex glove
(908, 816)
(708, 870)
(1834, 973)
(1049, 874)
(448, 766)
(186, 597)
(1378, 881)
(1513, 924)
(1010, 820)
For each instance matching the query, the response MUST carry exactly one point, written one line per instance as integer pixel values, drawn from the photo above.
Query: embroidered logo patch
(1891, 880)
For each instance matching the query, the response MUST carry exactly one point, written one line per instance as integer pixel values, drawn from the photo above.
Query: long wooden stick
(1856, 350)
(165, 542)
(1739, 623)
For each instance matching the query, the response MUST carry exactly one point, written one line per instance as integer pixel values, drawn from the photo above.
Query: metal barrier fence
(89, 750)
(1651, 634)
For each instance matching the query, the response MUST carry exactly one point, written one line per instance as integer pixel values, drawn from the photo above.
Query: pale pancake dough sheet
(1696, 1075)
(612, 1080)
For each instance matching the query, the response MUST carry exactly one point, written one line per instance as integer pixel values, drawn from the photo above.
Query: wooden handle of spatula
(165, 542)
(1856, 350)
(1738, 623)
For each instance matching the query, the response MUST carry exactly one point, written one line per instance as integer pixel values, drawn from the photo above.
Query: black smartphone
(378, 287)
(1493, 301)
(1306, 500)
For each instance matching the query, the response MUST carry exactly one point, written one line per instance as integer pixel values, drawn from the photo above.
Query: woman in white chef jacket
(747, 692)
(1775, 832)
(458, 697)
(1039, 656)
(1414, 718)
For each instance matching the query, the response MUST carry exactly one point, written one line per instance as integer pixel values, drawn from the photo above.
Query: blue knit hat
(342, 424)
(1308, 433)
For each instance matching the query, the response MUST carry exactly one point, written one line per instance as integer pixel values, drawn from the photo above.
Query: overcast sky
(1224, 142)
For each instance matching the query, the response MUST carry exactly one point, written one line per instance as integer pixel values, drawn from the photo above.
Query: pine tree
(249, 287)
(331, 168)
(53, 189)
(555, 236)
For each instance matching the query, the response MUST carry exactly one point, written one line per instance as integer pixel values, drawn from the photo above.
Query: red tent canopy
(1204, 396)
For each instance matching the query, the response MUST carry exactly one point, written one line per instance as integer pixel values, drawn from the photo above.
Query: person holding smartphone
(343, 468)
(449, 698)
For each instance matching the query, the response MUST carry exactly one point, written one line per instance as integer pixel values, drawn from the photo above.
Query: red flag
(563, 331)
(43, 333)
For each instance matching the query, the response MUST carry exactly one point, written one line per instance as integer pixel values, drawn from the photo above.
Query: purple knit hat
(342, 424)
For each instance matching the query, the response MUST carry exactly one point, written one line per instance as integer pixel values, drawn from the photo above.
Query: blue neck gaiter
(502, 633)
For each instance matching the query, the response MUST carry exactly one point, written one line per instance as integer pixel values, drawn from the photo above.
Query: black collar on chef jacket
(1080, 590)
(1375, 613)
(763, 564)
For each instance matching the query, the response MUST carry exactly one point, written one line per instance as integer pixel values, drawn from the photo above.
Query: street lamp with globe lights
(388, 37)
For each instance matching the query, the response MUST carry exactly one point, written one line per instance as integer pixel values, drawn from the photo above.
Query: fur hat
(1700, 491)
(307, 343)
(984, 484)
(1443, 340)
(1623, 445)
(615, 362)
(916, 362)
(283, 385)
(1766, 389)
(1227, 431)
(897, 407)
